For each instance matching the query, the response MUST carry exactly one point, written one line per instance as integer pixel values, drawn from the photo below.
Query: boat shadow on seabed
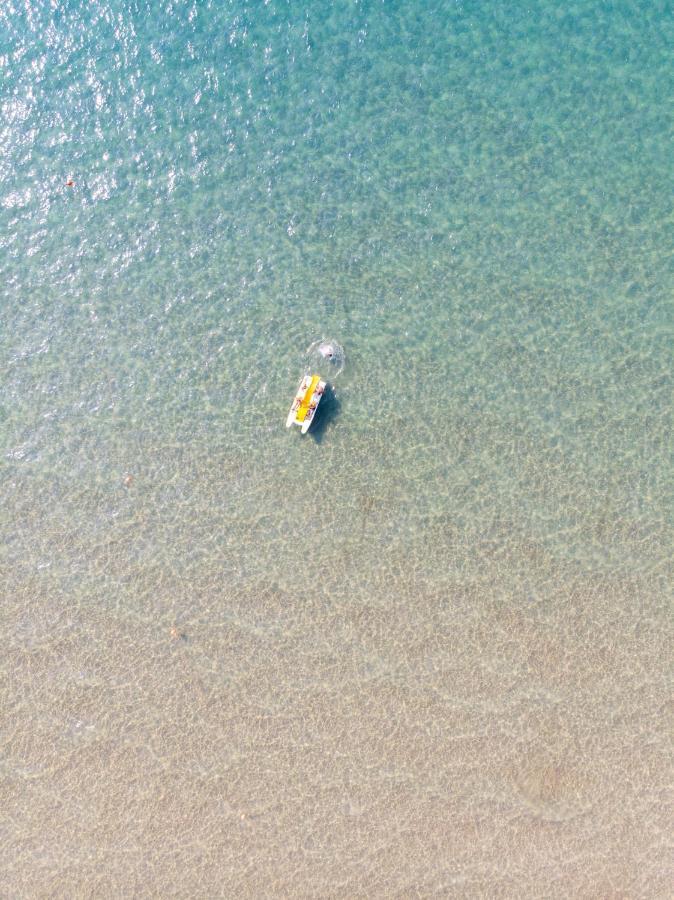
(327, 412)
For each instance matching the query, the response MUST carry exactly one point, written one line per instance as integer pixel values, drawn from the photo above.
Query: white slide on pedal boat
(306, 402)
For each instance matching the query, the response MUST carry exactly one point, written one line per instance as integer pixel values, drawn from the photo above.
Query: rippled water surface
(424, 650)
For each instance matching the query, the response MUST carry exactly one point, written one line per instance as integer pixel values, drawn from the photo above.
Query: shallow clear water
(423, 650)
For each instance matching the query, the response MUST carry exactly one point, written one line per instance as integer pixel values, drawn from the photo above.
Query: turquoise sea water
(423, 651)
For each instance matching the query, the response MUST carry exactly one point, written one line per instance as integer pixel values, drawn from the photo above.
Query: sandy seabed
(393, 729)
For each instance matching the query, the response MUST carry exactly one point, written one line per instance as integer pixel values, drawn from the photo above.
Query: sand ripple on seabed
(256, 739)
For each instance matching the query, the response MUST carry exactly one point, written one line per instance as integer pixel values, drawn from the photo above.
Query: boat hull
(304, 406)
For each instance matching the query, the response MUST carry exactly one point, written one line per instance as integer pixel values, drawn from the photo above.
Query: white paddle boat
(306, 402)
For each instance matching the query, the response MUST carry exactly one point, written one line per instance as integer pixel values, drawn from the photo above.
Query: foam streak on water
(423, 650)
